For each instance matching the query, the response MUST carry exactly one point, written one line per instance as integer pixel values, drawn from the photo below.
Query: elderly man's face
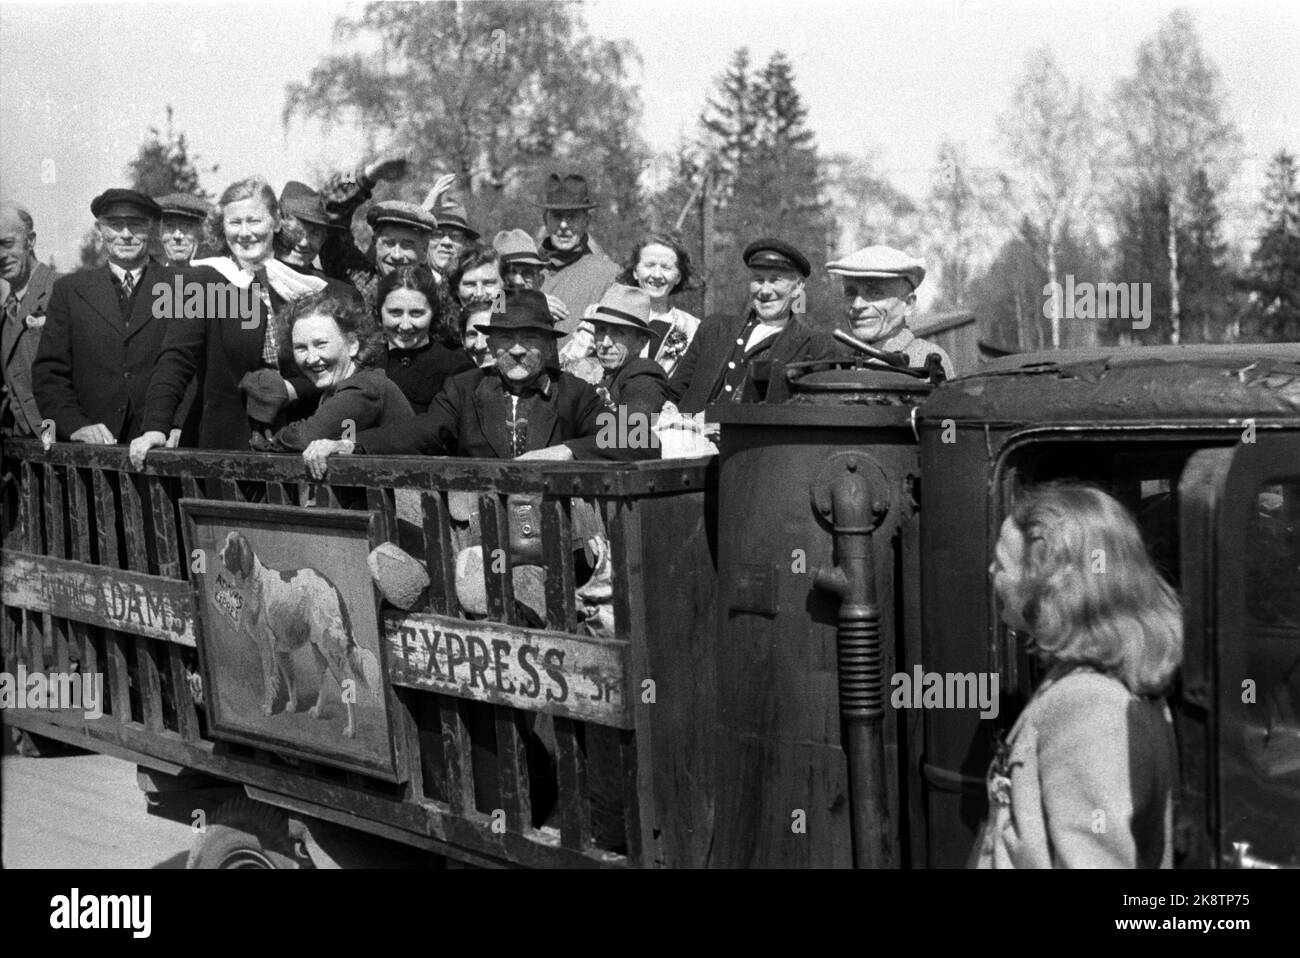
(615, 344)
(180, 237)
(302, 240)
(877, 307)
(444, 248)
(517, 276)
(520, 353)
(566, 228)
(773, 291)
(15, 249)
(397, 246)
(125, 230)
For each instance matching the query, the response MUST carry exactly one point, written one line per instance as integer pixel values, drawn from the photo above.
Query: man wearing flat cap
(880, 297)
(401, 231)
(577, 271)
(521, 407)
(182, 226)
(102, 337)
(721, 362)
(25, 287)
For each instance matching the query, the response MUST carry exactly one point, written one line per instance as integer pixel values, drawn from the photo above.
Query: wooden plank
(79, 499)
(496, 559)
(32, 509)
(571, 675)
(166, 539)
(33, 644)
(277, 495)
(187, 716)
(571, 772)
(230, 491)
(148, 683)
(458, 763)
(380, 502)
(137, 545)
(557, 542)
(146, 605)
(56, 513)
(406, 733)
(438, 553)
(106, 512)
(512, 767)
(119, 676)
(628, 764)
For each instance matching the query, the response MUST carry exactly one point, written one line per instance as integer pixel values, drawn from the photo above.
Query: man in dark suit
(720, 364)
(103, 333)
(25, 287)
(521, 407)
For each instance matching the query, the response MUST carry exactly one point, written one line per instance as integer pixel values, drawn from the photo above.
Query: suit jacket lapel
(142, 304)
(542, 417)
(101, 295)
(490, 406)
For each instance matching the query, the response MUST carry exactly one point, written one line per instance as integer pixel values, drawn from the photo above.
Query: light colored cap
(516, 246)
(399, 211)
(624, 306)
(883, 262)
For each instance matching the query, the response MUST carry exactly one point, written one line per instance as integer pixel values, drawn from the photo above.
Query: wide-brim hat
(627, 306)
(301, 201)
(524, 309)
(776, 254)
(401, 213)
(107, 198)
(451, 213)
(569, 192)
(516, 246)
(880, 262)
(184, 204)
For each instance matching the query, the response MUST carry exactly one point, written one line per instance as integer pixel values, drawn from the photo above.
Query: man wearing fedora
(634, 389)
(182, 226)
(578, 271)
(304, 228)
(521, 263)
(25, 287)
(451, 235)
(880, 297)
(726, 359)
(102, 338)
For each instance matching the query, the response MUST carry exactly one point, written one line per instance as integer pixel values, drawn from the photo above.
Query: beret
(107, 198)
(776, 254)
(399, 211)
(882, 262)
(184, 204)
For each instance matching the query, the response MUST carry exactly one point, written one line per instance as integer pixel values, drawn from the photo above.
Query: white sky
(80, 84)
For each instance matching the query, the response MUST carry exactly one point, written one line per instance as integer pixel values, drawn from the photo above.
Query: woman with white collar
(660, 265)
(237, 344)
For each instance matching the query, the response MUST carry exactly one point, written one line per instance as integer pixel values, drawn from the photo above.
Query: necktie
(270, 339)
(128, 285)
(11, 308)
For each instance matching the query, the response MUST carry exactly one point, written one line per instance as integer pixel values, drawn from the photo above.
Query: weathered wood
(149, 683)
(438, 554)
(457, 755)
(496, 559)
(106, 512)
(56, 514)
(137, 545)
(571, 772)
(31, 490)
(119, 676)
(380, 503)
(557, 552)
(631, 778)
(164, 529)
(406, 733)
(144, 605)
(512, 767)
(570, 675)
(277, 495)
(231, 491)
(187, 716)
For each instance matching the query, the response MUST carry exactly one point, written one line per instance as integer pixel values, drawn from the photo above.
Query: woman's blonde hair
(1089, 590)
(251, 187)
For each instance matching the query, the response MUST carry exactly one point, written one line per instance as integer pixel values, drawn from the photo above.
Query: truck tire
(247, 834)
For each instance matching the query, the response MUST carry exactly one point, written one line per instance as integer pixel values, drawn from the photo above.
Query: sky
(80, 84)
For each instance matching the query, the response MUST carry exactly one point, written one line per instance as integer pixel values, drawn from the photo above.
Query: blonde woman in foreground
(1086, 777)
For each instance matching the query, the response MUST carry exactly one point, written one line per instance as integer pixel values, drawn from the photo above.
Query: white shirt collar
(119, 272)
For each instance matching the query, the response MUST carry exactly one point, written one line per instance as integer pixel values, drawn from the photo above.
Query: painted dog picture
(291, 609)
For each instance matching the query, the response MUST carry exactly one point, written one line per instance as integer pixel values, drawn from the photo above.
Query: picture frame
(291, 649)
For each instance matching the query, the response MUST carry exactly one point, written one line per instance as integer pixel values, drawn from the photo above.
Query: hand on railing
(550, 453)
(173, 439)
(141, 445)
(321, 449)
(96, 435)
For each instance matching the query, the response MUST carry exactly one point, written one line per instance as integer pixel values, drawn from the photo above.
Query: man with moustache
(25, 287)
(102, 337)
(880, 297)
(720, 364)
(521, 264)
(521, 407)
(577, 270)
(182, 226)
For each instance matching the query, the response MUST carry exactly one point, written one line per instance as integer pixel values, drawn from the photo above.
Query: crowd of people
(431, 341)
(484, 342)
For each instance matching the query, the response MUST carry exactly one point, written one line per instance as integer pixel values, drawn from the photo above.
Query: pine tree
(730, 121)
(1274, 275)
(1143, 257)
(1210, 304)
